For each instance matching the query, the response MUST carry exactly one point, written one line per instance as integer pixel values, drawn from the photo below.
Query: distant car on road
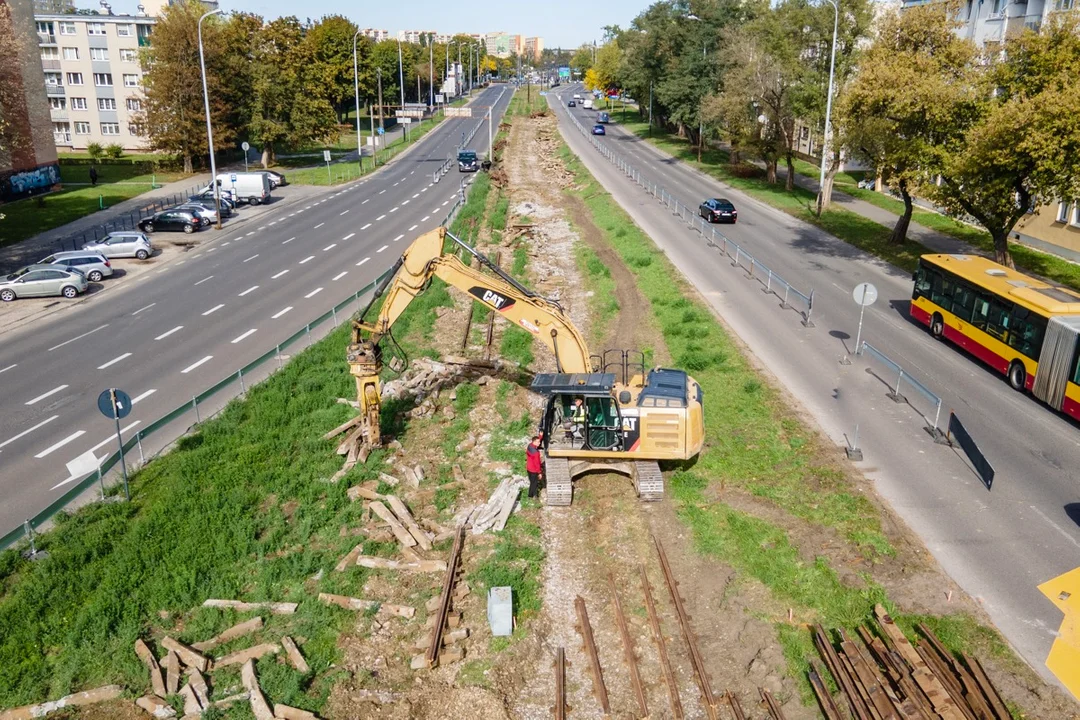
(276, 178)
(172, 221)
(718, 210)
(208, 203)
(93, 265)
(41, 281)
(572, 103)
(467, 161)
(207, 215)
(598, 130)
(127, 243)
(603, 118)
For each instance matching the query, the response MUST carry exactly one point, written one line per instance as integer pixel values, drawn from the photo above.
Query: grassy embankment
(239, 510)
(849, 226)
(116, 183)
(757, 446)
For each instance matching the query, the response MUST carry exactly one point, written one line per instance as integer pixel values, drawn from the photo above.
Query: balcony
(54, 90)
(46, 38)
(58, 115)
(50, 64)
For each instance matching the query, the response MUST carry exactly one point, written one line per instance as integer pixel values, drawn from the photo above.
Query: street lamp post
(431, 72)
(209, 130)
(828, 109)
(401, 83)
(356, 89)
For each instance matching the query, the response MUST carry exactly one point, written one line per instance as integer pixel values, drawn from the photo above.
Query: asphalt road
(998, 545)
(177, 330)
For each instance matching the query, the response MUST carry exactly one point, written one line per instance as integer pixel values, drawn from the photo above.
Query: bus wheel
(937, 326)
(1017, 375)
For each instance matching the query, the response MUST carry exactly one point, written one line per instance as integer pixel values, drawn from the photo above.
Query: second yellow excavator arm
(426, 258)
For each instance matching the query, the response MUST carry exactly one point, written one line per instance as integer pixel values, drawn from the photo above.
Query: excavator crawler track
(648, 481)
(560, 486)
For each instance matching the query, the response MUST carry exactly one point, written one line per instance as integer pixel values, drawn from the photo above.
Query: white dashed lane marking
(164, 335)
(307, 259)
(382, 248)
(286, 242)
(347, 237)
(340, 275)
(214, 309)
(196, 364)
(379, 218)
(412, 228)
(362, 261)
(204, 280)
(275, 277)
(278, 314)
(114, 361)
(313, 293)
(343, 212)
(397, 238)
(134, 313)
(366, 226)
(73, 436)
(28, 431)
(252, 257)
(244, 335)
(318, 226)
(250, 289)
(39, 398)
(331, 246)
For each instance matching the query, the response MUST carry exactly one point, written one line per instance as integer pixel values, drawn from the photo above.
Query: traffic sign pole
(120, 442)
(864, 294)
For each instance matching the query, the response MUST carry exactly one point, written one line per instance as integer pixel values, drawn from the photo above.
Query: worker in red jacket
(534, 465)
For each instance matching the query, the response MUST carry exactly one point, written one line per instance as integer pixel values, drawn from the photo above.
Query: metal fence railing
(155, 438)
(905, 379)
(771, 282)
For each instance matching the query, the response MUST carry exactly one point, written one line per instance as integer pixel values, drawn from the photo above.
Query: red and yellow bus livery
(1026, 329)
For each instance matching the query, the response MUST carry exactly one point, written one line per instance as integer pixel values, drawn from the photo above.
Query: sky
(561, 23)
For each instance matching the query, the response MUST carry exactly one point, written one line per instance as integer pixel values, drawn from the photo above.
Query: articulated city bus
(1026, 329)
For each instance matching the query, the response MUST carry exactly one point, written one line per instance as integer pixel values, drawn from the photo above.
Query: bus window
(997, 322)
(941, 289)
(963, 304)
(1028, 331)
(981, 312)
(1076, 365)
(922, 281)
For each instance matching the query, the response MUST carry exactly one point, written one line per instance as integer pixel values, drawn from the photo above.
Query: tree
(331, 41)
(582, 59)
(12, 98)
(608, 60)
(916, 89)
(1021, 147)
(173, 109)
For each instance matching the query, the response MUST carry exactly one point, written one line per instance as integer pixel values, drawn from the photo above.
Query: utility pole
(431, 72)
(382, 126)
(401, 84)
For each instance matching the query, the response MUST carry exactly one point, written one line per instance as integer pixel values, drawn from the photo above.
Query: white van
(587, 105)
(250, 187)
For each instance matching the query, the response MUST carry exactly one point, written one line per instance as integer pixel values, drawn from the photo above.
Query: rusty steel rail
(628, 650)
(661, 647)
(584, 629)
(736, 708)
(561, 708)
(770, 702)
(696, 662)
(444, 601)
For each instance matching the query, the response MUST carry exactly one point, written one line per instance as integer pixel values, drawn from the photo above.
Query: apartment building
(27, 154)
(517, 44)
(417, 36)
(376, 35)
(534, 47)
(497, 44)
(93, 77)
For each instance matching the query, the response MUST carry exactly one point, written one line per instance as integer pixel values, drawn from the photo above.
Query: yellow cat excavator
(603, 412)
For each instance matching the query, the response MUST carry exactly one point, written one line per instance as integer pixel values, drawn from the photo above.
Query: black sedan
(572, 103)
(718, 210)
(174, 220)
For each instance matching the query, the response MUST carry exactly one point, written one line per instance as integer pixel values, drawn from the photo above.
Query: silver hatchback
(42, 280)
(129, 243)
(93, 265)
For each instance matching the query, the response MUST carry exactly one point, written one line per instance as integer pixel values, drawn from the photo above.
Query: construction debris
(157, 682)
(379, 563)
(198, 685)
(443, 617)
(379, 697)
(242, 656)
(886, 676)
(101, 694)
(291, 713)
(350, 558)
(232, 700)
(191, 702)
(189, 657)
(497, 510)
(407, 520)
(351, 603)
(404, 536)
(293, 653)
(153, 705)
(259, 707)
(172, 673)
(275, 608)
(236, 631)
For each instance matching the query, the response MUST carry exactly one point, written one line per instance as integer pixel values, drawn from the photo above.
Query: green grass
(116, 183)
(603, 304)
(755, 445)
(470, 217)
(499, 213)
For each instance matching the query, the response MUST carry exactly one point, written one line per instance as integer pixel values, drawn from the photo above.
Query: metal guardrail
(771, 282)
(904, 378)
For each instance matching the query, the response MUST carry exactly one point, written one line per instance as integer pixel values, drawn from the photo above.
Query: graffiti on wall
(24, 183)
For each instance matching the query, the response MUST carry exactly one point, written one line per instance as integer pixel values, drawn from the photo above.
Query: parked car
(718, 210)
(208, 197)
(93, 265)
(598, 130)
(40, 281)
(277, 179)
(467, 161)
(588, 104)
(172, 221)
(603, 118)
(572, 103)
(249, 187)
(868, 183)
(127, 243)
(208, 203)
(206, 214)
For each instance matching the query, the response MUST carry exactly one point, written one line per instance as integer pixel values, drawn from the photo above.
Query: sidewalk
(34, 248)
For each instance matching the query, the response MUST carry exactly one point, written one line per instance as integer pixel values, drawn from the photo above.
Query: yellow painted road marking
(1064, 657)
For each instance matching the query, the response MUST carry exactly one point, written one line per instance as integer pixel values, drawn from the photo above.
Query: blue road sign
(232, 177)
(381, 131)
(117, 411)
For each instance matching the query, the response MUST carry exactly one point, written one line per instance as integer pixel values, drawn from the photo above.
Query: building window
(45, 28)
(82, 128)
(58, 103)
(135, 129)
(1065, 5)
(103, 79)
(123, 30)
(95, 28)
(78, 103)
(54, 79)
(129, 55)
(1075, 219)
(74, 79)
(106, 104)
(131, 80)
(71, 53)
(67, 28)
(99, 54)
(134, 104)
(50, 53)
(110, 128)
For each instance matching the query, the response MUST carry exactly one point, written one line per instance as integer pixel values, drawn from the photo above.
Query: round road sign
(117, 410)
(864, 294)
(245, 146)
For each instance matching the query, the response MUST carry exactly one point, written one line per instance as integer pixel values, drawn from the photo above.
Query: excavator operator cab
(605, 428)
